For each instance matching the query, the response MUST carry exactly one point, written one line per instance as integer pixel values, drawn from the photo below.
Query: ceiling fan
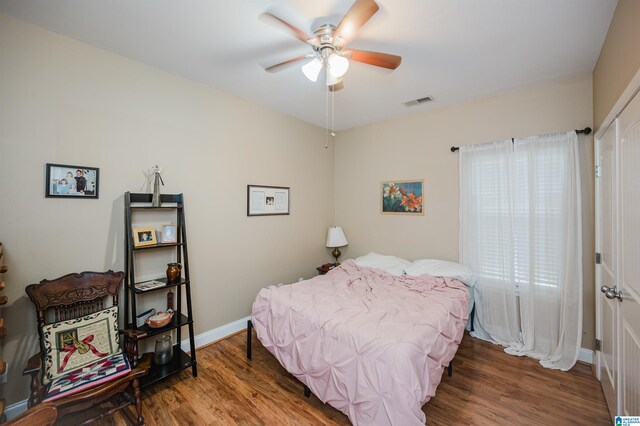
(330, 51)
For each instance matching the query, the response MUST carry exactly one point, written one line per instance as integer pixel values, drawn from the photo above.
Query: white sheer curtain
(520, 232)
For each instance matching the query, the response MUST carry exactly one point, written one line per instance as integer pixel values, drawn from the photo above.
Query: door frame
(629, 92)
(598, 246)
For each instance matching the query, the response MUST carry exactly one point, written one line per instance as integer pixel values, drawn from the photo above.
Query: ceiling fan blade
(297, 32)
(336, 87)
(378, 59)
(356, 17)
(285, 64)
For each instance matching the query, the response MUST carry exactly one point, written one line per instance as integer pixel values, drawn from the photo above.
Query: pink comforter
(371, 344)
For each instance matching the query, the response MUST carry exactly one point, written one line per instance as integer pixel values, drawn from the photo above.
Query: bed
(370, 343)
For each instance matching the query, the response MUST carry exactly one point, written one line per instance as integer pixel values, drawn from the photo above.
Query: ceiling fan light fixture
(328, 42)
(332, 79)
(312, 69)
(338, 65)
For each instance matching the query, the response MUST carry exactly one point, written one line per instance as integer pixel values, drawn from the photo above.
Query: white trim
(597, 182)
(216, 334)
(586, 355)
(14, 410)
(623, 101)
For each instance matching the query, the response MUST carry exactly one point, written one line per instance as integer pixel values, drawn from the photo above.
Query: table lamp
(336, 239)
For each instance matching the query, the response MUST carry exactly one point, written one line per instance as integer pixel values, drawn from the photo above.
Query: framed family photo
(402, 197)
(68, 181)
(144, 237)
(169, 234)
(267, 200)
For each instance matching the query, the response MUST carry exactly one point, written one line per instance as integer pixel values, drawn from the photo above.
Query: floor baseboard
(586, 355)
(216, 334)
(14, 410)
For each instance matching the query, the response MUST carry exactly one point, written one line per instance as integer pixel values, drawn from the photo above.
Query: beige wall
(417, 147)
(619, 59)
(62, 101)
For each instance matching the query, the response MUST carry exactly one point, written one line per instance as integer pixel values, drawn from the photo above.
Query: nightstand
(325, 268)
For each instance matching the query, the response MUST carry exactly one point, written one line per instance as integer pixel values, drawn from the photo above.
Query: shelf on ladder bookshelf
(162, 287)
(157, 246)
(177, 321)
(179, 362)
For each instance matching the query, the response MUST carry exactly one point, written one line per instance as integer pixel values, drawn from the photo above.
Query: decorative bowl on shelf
(159, 319)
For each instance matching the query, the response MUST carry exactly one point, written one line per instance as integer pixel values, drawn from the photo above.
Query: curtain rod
(586, 131)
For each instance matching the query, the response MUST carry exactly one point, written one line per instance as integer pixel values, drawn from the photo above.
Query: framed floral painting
(402, 197)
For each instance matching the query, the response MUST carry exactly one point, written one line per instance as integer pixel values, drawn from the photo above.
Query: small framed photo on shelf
(267, 200)
(169, 234)
(144, 237)
(67, 181)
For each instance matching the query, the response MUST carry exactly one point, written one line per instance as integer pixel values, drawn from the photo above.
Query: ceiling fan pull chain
(333, 114)
(326, 97)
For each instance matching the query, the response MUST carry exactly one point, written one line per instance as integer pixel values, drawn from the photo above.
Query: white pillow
(442, 268)
(391, 264)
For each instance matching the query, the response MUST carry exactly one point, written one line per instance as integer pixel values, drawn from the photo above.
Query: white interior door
(629, 283)
(607, 309)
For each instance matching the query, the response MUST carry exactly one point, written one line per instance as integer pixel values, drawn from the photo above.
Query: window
(518, 199)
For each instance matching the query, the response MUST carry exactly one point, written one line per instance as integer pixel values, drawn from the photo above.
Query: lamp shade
(335, 237)
(312, 69)
(331, 79)
(338, 65)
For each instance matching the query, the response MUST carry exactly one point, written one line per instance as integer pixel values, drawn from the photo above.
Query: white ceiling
(452, 50)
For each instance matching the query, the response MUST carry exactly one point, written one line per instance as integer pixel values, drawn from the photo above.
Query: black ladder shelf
(181, 360)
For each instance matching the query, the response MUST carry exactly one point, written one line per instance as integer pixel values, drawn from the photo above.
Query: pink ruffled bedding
(370, 344)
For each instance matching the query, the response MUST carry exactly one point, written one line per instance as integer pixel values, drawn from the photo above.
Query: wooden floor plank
(488, 387)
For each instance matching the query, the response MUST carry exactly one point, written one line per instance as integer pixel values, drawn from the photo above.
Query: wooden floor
(488, 387)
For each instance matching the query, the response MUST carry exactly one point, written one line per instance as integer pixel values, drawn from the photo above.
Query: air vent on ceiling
(419, 101)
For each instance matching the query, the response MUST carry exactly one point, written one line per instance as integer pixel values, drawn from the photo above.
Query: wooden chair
(44, 414)
(74, 296)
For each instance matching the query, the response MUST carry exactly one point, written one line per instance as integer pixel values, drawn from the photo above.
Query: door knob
(613, 294)
(604, 289)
